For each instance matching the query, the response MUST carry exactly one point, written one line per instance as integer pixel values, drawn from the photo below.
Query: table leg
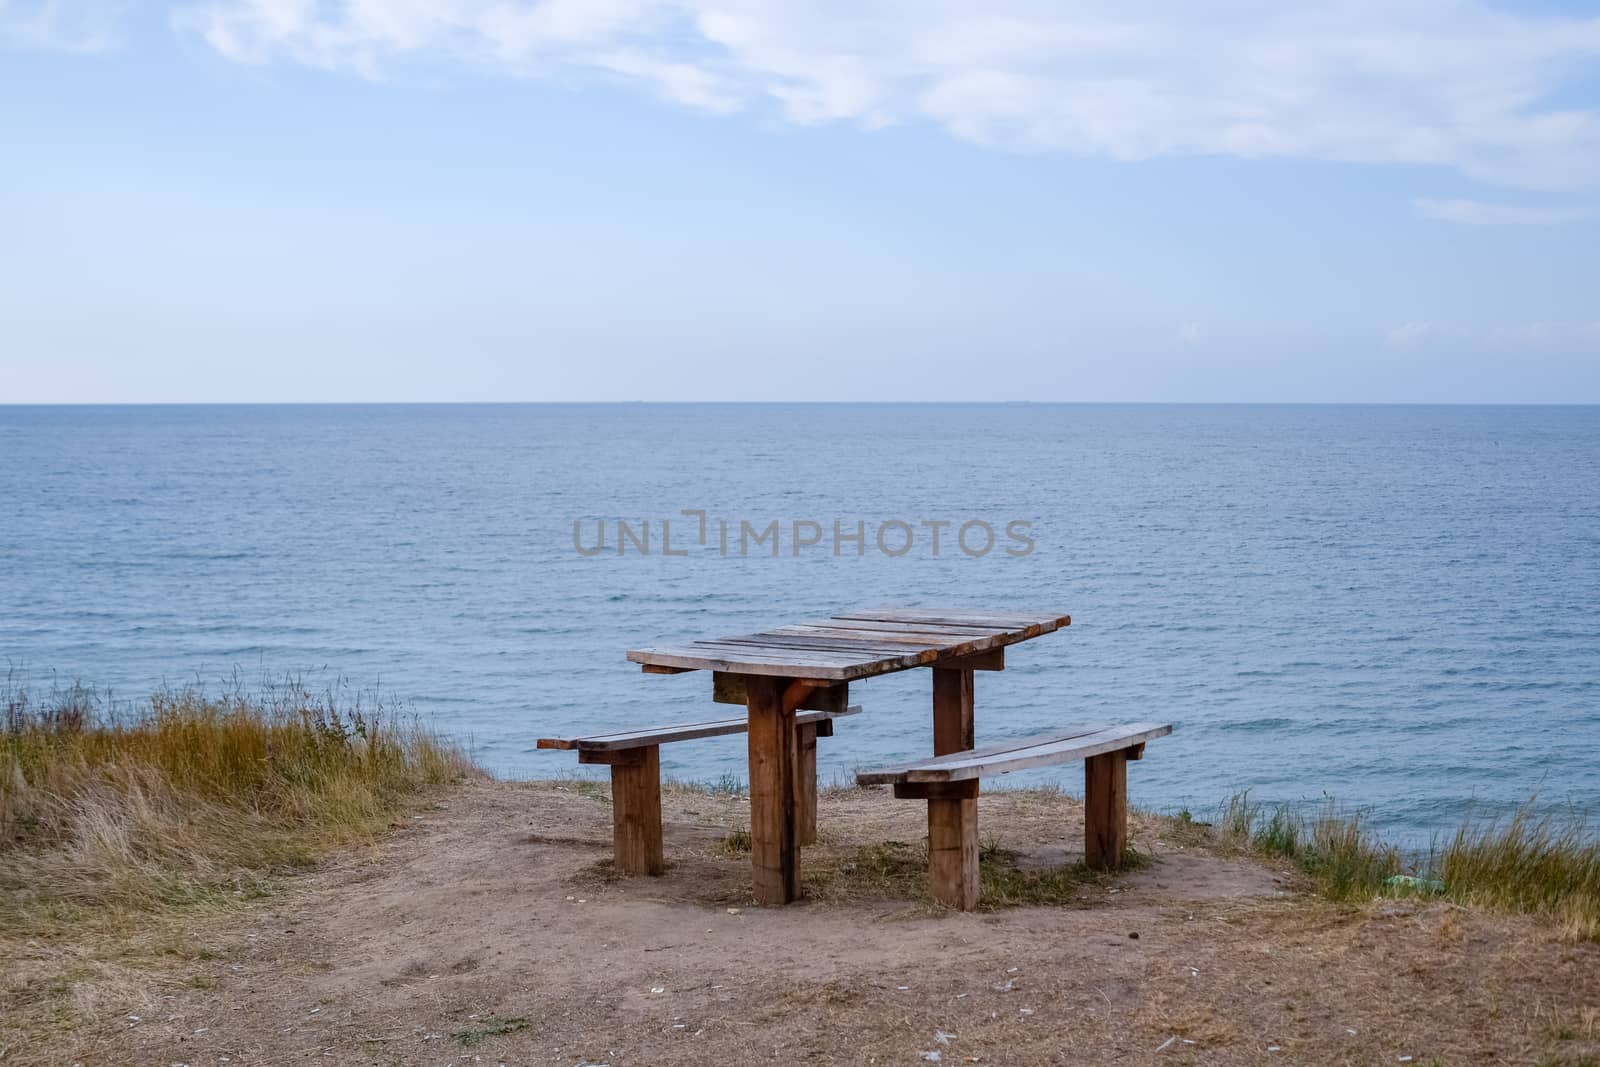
(806, 783)
(774, 759)
(953, 819)
(952, 711)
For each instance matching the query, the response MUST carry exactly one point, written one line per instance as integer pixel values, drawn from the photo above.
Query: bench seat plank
(688, 731)
(1060, 746)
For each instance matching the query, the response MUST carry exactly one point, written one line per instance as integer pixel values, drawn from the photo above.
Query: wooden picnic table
(810, 665)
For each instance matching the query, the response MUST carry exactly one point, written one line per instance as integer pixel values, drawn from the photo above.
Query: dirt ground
(489, 929)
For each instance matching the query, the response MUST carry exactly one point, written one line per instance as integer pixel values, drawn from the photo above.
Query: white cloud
(1452, 83)
(1478, 213)
(1469, 85)
(60, 25)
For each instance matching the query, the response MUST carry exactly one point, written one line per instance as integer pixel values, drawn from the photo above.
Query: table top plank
(888, 625)
(857, 644)
(829, 644)
(894, 639)
(1004, 620)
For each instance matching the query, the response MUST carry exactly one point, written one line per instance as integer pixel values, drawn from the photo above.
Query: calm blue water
(1395, 606)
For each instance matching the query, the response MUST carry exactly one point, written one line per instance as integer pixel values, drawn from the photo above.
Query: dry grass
(189, 798)
(1534, 863)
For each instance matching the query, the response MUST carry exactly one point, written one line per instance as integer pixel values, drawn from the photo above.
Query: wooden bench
(634, 757)
(949, 784)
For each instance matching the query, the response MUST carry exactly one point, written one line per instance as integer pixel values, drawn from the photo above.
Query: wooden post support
(635, 808)
(953, 819)
(774, 844)
(1105, 809)
(952, 840)
(806, 783)
(952, 711)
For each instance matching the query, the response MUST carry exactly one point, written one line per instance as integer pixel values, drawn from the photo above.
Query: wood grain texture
(952, 712)
(896, 772)
(806, 783)
(1105, 809)
(953, 820)
(1040, 622)
(855, 645)
(636, 813)
(1063, 746)
(729, 689)
(775, 851)
(953, 852)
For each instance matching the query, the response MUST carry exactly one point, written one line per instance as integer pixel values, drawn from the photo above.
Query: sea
(1387, 608)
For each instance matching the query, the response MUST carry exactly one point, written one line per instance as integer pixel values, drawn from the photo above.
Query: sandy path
(491, 911)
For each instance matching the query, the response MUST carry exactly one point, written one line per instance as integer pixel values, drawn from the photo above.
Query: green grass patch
(899, 870)
(485, 1029)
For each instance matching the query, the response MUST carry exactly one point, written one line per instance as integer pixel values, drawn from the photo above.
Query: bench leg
(636, 812)
(806, 781)
(1105, 809)
(953, 851)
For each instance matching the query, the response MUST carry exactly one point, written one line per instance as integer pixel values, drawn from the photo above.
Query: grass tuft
(736, 843)
(1528, 863)
(1531, 863)
(191, 799)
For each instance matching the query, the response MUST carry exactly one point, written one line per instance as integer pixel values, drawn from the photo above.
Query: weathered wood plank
(958, 617)
(897, 771)
(945, 644)
(854, 645)
(806, 783)
(897, 626)
(788, 654)
(891, 631)
(992, 660)
(953, 852)
(636, 813)
(653, 668)
(1062, 746)
(1105, 809)
(873, 649)
(728, 688)
(953, 820)
(687, 731)
(952, 712)
(739, 662)
(775, 850)
(1038, 756)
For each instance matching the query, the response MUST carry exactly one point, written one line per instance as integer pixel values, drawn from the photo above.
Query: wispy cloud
(1478, 213)
(60, 25)
(1409, 336)
(1461, 84)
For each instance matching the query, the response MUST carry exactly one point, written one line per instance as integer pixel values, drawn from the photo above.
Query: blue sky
(269, 200)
